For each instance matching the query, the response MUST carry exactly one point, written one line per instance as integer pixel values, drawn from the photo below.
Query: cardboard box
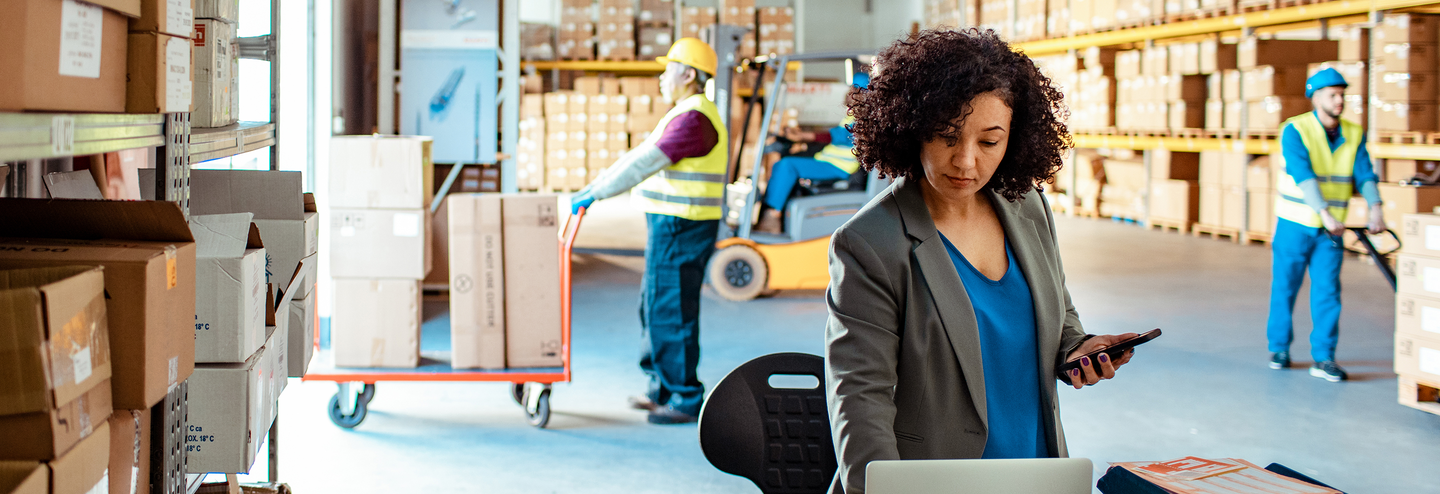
(286, 217)
(1417, 87)
(1216, 56)
(1407, 57)
(213, 61)
(1402, 200)
(1267, 114)
(1420, 234)
(1417, 355)
(226, 10)
(1408, 28)
(1261, 210)
(477, 284)
(1230, 83)
(149, 280)
(1214, 114)
(1259, 175)
(301, 345)
(55, 337)
(1418, 275)
(532, 280)
(1354, 42)
(1175, 200)
(130, 451)
(381, 172)
(1168, 165)
(639, 86)
(157, 74)
(1254, 52)
(62, 55)
(1185, 88)
(227, 408)
(1185, 115)
(277, 369)
(657, 11)
(654, 42)
(1397, 169)
(379, 243)
(84, 468)
(1417, 316)
(48, 434)
(230, 288)
(376, 323)
(172, 17)
(1401, 116)
(24, 477)
(1274, 80)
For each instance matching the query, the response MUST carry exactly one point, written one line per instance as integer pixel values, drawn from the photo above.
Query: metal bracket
(258, 48)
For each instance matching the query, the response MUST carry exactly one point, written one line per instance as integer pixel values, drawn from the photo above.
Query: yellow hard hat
(692, 52)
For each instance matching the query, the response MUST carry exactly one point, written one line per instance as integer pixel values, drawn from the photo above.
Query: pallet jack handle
(1362, 234)
(567, 245)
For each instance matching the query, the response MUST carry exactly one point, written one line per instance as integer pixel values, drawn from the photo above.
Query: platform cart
(530, 388)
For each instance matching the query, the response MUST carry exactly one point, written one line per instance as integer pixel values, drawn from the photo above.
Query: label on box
(174, 370)
(1432, 280)
(1432, 237)
(177, 75)
(80, 30)
(408, 225)
(103, 487)
(179, 18)
(80, 359)
(1430, 319)
(1430, 361)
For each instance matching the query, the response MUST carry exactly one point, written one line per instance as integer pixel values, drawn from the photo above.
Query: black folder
(1118, 480)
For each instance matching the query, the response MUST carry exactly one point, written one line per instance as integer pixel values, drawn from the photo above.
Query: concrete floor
(1203, 389)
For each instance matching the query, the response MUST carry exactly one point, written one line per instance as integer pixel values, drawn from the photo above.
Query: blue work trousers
(789, 170)
(1295, 248)
(675, 258)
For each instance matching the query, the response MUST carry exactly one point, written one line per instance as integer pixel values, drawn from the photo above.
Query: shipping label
(81, 26)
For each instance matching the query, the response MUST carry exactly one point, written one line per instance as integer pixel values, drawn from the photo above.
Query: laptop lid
(1024, 476)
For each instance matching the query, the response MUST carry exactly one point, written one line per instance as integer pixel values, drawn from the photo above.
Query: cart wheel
(540, 415)
(367, 393)
(517, 391)
(738, 273)
(338, 417)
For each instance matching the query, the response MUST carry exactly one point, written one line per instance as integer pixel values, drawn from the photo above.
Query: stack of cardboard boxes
(1031, 24)
(740, 13)
(948, 14)
(108, 339)
(655, 28)
(776, 30)
(504, 280)
(1174, 187)
(576, 40)
(216, 59)
(1272, 78)
(1222, 189)
(615, 33)
(1260, 195)
(380, 252)
(995, 15)
(158, 75)
(530, 149)
(694, 20)
(1405, 49)
(587, 129)
(1417, 313)
(1123, 194)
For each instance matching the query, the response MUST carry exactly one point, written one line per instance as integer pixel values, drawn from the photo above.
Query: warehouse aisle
(1203, 389)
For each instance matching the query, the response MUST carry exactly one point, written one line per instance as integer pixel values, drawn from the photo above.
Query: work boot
(1280, 360)
(642, 403)
(1329, 371)
(769, 222)
(669, 415)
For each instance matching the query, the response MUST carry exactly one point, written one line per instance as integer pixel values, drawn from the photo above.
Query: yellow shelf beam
(1405, 151)
(1182, 144)
(1288, 15)
(610, 65)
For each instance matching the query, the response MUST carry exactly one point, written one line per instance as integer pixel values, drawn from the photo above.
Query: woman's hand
(1085, 375)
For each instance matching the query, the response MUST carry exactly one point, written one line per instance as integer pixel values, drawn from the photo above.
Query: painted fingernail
(1085, 361)
(1104, 357)
(1075, 372)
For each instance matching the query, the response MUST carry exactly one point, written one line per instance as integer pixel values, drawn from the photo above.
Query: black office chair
(779, 438)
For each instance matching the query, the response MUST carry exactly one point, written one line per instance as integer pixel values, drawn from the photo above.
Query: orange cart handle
(567, 245)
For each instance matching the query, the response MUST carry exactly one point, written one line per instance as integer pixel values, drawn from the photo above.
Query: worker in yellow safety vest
(1325, 160)
(835, 161)
(678, 176)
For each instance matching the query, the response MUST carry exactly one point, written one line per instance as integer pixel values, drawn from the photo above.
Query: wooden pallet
(1192, 133)
(1407, 137)
(1247, 6)
(1262, 134)
(1181, 227)
(1216, 231)
(1196, 15)
(1419, 395)
(1222, 134)
(1260, 237)
(1432, 138)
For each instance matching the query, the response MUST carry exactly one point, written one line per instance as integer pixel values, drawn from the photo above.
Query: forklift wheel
(738, 273)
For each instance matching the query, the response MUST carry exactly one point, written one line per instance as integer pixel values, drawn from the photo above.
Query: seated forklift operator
(836, 161)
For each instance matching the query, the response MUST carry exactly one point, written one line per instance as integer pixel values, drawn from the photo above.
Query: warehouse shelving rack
(28, 139)
(1245, 24)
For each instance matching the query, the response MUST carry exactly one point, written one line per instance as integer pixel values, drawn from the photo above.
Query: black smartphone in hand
(1115, 351)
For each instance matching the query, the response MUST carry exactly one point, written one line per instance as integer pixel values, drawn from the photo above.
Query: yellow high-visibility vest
(1334, 171)
(692, 188)
(843, 157)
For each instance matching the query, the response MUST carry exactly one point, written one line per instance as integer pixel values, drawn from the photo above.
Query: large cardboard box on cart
(532, 279)
(376, 322)
(477, 281)
(149, 257)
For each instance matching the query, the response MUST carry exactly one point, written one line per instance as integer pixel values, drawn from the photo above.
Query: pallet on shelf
(1247, 6)
(1191, 133)
(1404, 137)
(1420, 395)
(1261, 237)
(1222, 134)
(1216, 231)
(1165, 225)
(1262, 134)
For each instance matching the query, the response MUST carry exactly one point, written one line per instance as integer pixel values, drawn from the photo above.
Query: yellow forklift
(748, 264)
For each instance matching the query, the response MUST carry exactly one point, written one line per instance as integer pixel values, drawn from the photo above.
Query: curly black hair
(922, 83)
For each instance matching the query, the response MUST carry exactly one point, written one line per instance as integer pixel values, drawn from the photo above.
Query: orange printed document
(1191, 475)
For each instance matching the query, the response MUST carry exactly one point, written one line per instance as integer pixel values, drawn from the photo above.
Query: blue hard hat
(860, 80)
(1323, 79)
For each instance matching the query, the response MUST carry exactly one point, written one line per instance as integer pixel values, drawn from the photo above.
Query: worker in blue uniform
(835, 161)
(1324, 160)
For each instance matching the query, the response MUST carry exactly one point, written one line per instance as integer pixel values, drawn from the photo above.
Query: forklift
(748, 264)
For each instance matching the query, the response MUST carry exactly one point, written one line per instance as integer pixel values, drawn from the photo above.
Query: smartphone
(1115, 351)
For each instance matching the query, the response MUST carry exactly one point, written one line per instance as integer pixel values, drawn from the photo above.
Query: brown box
(158, 74)
(655, 12)
(579, 103)
(1406, 57)
(1420, 234)
(1354, 42)
(1210, 204)
(1408, 28)
(1232, 114)
(1216, 56)
(1397, 170)
(589, 85)
(654, 42)
(62, 59)
(130, 451)
(55, 337)
(1402, 200)
(1417, 276)
(1398, 116)
(1185, 115)
(173, 17)
(1185, 88)
(48, 434)
(24, 477)
(83, 469)
(376, 323)
(1175, 200)
(1254, 52)
(1409, 87)
(1418, 355)
(737, 12)
(149, 280)
(1259, 175)
(1267, 114)
(1273, 80)
(1417, 315)
(1261, 210)
(532, 279)
(1172, 165)
(1232, 207)
(477, 284)
(1214, 114)
(1230, 82)
(557, 103)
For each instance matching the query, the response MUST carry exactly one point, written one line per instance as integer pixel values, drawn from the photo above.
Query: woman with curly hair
(948, 307)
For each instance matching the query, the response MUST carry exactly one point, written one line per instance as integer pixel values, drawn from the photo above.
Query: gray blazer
(902, 350)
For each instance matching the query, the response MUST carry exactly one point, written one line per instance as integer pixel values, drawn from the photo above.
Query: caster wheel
(517, 391)
(738, 273)
(539, 415)
(338, 417)
(367, 393)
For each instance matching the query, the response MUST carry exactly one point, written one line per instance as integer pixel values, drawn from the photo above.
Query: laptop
(1025, 476)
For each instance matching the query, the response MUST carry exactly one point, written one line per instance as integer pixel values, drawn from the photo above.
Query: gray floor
(1203, 389)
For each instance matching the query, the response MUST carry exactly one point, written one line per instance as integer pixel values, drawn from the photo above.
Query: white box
(376, 323)
(226, 421)
(285, 215)
(214, 65)
(229, 287)
(302, 335)
(379, 243)
(380, 172)
(277, 356)
(477, 282)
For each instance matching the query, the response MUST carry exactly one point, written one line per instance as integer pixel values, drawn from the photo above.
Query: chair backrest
(779, 438)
